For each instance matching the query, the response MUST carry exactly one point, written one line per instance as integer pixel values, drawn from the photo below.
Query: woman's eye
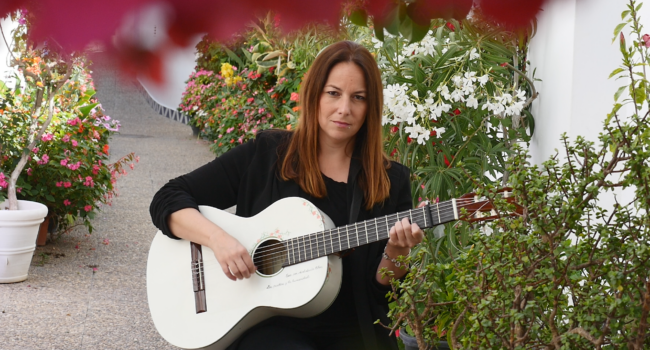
(333, 93)
(359, 97)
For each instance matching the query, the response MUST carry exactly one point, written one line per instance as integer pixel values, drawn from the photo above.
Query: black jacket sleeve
(215, 184)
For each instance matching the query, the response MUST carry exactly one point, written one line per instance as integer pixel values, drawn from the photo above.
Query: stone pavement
(88, 291)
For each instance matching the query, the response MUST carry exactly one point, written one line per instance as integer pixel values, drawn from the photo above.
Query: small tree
(568, 273)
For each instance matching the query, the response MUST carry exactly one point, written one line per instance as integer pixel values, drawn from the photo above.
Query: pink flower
(295, 96)
(59, 184)
(74, 143)
(47, 137)
(65, 138)
(229, 130)
(95, 169)
(88, 208)
(29, 172)
(35, 150)
(64, 162)
(89, 182)
(646, 40)
(250, 100)
(67, 184)
(44, 159)
(19, 190)
(66, 202)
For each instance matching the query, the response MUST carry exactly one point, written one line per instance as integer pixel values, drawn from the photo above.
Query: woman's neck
(334, 160)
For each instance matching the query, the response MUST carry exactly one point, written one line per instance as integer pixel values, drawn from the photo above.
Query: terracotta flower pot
(18, 232)
(42, 232)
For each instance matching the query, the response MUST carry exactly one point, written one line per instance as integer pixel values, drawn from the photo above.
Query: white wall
(573, 55)
(6, 74)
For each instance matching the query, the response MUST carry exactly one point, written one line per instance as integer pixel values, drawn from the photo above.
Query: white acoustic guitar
(195, 306)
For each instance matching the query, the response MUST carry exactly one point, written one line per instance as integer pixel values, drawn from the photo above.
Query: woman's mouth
(342, 124)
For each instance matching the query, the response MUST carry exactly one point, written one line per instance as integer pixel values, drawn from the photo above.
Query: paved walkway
(82, 293)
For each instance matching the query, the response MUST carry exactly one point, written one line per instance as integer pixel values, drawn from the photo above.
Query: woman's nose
(344, 106)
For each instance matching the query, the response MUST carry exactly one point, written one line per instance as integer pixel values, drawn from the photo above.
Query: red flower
(457, 111)
(447, 162)
(433, 133)
(397, 333)
(393, 152)
(394, 129)
(408, 140)
(451, 26)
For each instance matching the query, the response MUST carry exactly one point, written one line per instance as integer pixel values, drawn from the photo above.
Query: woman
(334, 159)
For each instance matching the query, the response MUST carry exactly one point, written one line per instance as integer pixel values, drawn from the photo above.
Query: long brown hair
(301, 158)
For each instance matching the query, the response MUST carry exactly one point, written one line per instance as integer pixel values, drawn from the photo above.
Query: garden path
(88, 291)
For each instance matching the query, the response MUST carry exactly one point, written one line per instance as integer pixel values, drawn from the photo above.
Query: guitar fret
(387, 227)
(365, 228)
(376, 229)
(338, 233)
(424, 215)
(411, 216)
(317, 248)
(311, 250)
(356, 231)
(438, 208)
(289, 242)
(347, 235)
(331, 241)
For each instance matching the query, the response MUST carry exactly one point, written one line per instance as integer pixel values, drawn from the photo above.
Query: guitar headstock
(482, 208)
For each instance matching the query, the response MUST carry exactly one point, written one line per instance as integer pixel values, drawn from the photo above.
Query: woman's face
(342, 104)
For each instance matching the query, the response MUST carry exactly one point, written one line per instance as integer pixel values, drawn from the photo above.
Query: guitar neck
(342, 238)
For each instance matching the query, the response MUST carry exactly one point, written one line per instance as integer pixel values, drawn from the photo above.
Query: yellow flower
(40, 84)
(226, 70)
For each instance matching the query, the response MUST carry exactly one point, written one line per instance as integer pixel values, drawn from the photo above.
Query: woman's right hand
(234, 259)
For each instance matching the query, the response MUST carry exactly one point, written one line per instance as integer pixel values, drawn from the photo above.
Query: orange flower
(106, 148)
(289, 127)
(296, 108)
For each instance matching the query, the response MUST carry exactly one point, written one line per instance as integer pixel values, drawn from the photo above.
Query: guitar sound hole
(269, 256)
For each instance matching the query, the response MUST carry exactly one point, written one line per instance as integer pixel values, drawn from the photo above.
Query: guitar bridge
(198, 278)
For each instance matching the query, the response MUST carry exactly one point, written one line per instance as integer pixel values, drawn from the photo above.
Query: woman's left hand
(404, 236)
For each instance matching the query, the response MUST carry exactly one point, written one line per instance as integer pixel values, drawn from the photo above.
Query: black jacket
(247, 176)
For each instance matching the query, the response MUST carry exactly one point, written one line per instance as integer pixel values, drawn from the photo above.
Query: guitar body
(232, 307)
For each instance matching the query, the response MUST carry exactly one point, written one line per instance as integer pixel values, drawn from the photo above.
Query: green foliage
(252, 84)
(566, 271)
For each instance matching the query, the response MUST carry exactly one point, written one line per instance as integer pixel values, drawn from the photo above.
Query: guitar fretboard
(342, 238)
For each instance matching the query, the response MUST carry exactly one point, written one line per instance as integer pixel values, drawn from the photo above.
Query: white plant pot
(18, 232)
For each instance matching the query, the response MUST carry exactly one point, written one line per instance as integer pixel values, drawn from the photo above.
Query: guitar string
(313, 238)
(278, 253)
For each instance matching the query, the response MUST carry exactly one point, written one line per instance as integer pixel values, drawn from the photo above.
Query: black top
(246, 176)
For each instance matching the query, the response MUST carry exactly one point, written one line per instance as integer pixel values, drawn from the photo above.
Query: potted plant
(54, 146)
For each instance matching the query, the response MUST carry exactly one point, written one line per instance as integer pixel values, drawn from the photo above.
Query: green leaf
(624, 14)
(618, 30)
(379, 31)
(359, 17)
(50, 198)
(616, 71)
(85, 110)
(234, 57)
(619, 92)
